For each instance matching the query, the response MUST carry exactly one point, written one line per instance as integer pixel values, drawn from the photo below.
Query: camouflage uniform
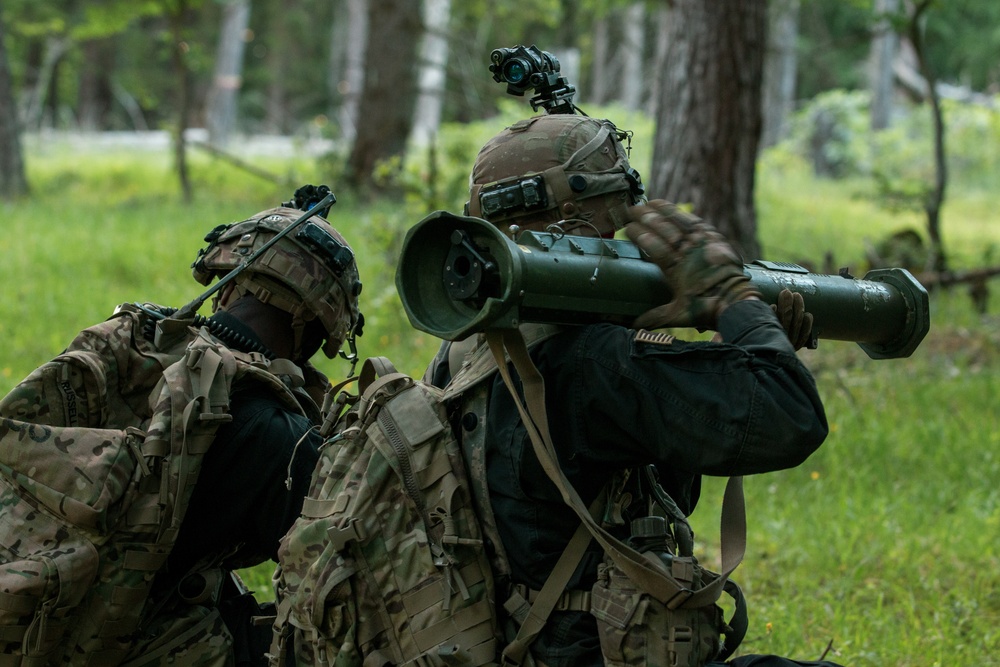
(161, 451)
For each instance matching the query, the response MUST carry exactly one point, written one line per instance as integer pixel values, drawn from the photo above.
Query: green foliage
(963, 39)
(834, 39)
(883, 542)
(896, 166)
(831, 131)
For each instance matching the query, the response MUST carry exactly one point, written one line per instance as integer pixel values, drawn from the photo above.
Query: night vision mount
(525, 68)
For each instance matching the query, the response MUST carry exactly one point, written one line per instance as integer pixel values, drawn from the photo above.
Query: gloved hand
(791, 312)
(703, 271)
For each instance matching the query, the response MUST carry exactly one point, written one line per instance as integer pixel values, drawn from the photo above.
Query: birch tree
(432, 62)
(780, 65)
(885, 45)
(220, 112)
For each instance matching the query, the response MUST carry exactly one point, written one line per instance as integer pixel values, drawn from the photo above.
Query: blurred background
(835, 134)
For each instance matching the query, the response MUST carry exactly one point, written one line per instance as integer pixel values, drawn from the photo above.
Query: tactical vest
(99, 453)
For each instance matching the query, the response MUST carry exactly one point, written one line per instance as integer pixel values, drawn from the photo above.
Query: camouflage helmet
(557, 168)
(309, 273)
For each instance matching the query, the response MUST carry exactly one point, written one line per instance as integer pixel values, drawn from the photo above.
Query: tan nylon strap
(317, 508)
(562, 194)
(288, 368)
(330, 415)
(17, 604)
(372, 368)
(558, 181)
(464, 620)
(479, 364)
(581, 153)
(474, 208)
(552, 591)
(373, 388)
(642, 572)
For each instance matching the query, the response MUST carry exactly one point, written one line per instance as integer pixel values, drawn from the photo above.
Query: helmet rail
(191, 308)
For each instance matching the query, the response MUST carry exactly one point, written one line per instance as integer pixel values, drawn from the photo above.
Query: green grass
(882, 545)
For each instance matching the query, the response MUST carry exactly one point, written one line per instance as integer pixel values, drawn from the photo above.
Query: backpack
(396, 559)
(99, 452)
(387, 563)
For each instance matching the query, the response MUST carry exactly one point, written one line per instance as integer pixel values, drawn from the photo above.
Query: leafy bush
(831, 132)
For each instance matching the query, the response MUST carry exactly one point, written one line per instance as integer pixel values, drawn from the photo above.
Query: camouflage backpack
(99, 452)
(387, 564)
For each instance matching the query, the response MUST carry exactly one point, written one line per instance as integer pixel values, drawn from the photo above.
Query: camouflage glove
(791, 312)
(703, 271)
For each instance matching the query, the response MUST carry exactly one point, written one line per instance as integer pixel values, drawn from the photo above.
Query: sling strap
(654, 581)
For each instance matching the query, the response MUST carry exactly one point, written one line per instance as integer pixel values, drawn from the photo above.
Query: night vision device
(525, 68)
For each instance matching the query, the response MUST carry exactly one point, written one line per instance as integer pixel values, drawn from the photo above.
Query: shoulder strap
(664, 587)
(532, 619)
(480, 364)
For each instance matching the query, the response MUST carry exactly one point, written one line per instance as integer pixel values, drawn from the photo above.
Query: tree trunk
(433, 61)
(38, 99)
(707, 134)
(633, 55)
(221, 103)
(177, 20)
(389, 93)
(779, 69)
(337, 57)
(353, 81)
(938, 260)
(96, 96)
(659, 57)
(13, 182)
(885, 43)
(600, 62)
(276, 102)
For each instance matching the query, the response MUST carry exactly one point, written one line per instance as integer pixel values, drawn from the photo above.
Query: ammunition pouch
(637, 629)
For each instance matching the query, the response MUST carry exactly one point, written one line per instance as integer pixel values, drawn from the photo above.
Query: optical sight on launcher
(461, 275)
(525, 68)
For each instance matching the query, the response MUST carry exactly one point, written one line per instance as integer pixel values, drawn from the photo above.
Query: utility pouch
(637, 629)
(193, 635)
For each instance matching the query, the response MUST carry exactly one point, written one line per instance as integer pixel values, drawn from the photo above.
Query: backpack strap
(532, 619)
(654, 581)
(480, 364)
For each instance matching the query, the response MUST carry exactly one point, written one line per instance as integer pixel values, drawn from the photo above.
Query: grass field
(882, 548)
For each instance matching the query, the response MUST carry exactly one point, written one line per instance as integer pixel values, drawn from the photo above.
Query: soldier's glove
(704, 273)
(791, 312)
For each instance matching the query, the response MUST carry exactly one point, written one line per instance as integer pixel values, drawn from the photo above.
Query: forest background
(130, 129)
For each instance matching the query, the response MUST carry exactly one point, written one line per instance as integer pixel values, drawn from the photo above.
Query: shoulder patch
(643, 336)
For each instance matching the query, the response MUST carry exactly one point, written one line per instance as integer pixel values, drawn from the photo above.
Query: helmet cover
(555, 168)
(310, 273)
